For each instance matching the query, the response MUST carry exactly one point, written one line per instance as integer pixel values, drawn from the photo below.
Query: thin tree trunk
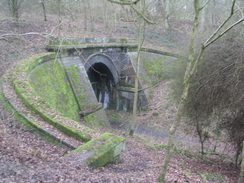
(184, 96)
(140, 42)
(203, 20)
(166, 18)
(44, 10)
(172, 131)
(200, 135)
(59, 12)
(115, 20)
(59, 17)
(90, 17)
(14, 8)
(85, 14)
(105, 14)
(240, 180)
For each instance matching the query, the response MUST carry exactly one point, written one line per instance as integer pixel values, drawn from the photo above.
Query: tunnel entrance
(105, 89)
(103, 84)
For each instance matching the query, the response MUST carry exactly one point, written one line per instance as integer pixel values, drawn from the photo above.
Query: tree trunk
(140, 42)
(44, 10)
(200, 135)
(240, 180)
(14, 8)
(105, 14)
(184, 95)
(85, 14)
(90, 17)
(115, 20)
(59, 17)
(172, 131)
(164, 8)
(203, 20)
(166, 18)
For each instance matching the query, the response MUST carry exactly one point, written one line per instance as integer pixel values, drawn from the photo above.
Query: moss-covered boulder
(100, 151)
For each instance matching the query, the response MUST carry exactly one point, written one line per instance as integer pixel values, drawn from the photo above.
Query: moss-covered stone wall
(51, 83)
(36, 103)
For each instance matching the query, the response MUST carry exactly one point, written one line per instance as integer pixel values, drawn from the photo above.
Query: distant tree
(166, 4)
(14, 7)
(85, 19)
(44, 9)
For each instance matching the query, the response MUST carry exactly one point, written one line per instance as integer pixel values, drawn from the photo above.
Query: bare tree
(84, 2)
(192, 65)
(140, 43)
(44, 9)
(166, 14)
(14, 9)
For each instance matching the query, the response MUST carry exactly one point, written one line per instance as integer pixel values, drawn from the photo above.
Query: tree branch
(207, 43)
(141, 15)
(122, 2)
(131, 4)
(222, 25)
(46, 35)
(204, 5)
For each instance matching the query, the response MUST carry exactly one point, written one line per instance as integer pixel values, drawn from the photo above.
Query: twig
(45, 35)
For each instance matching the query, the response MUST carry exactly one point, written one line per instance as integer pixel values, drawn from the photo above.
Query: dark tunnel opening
(103, 84)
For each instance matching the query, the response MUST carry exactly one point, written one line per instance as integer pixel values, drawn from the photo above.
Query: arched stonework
(104, 59)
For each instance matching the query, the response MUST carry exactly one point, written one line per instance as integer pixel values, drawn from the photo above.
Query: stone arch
(102, 59)
(103, 76)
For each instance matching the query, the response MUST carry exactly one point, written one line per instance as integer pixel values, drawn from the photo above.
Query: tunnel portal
(103, 84)
(105, 88)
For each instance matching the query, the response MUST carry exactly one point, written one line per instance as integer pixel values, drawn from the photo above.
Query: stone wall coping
(67, 43)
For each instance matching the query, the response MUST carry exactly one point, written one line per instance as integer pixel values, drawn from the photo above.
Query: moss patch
(78, 87)
(102, 149)
(97, 118)
(92, 120)
(50, 82)
(157, 68)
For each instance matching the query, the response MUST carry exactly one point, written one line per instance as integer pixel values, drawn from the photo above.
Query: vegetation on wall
(37, 104)
(50, 82)
(159, 68)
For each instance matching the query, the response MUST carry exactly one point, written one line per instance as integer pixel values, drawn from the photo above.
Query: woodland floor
(28, 157)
